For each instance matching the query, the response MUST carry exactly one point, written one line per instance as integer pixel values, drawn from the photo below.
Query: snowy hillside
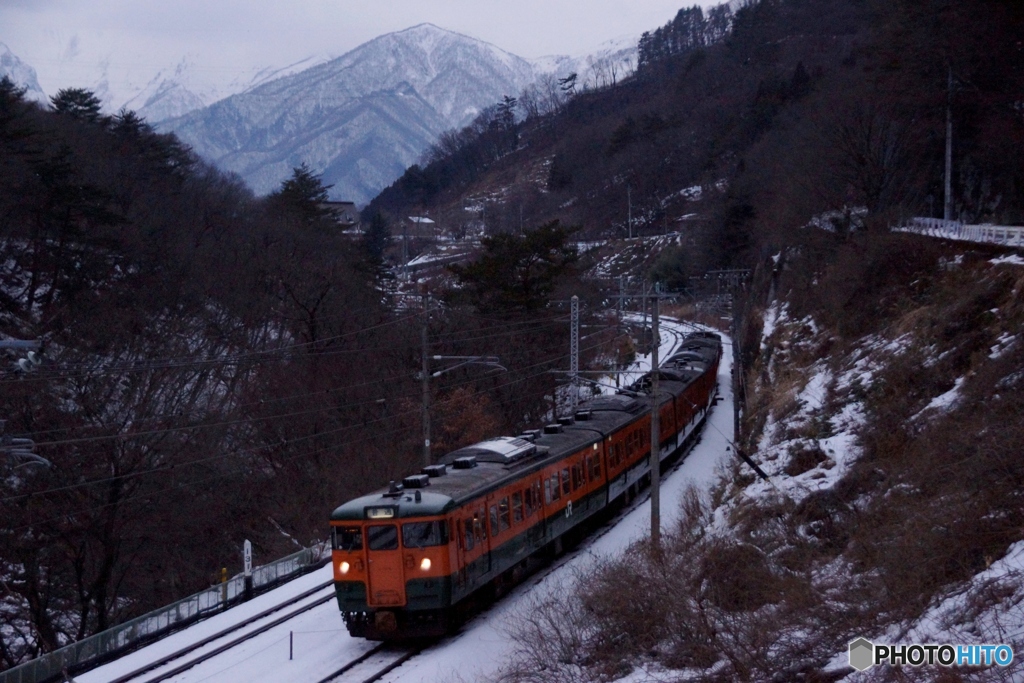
(360, 119)
(612, 61)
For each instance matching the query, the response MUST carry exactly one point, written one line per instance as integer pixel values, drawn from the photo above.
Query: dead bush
(803, 458)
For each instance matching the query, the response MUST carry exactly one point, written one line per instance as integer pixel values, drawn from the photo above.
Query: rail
(108, 644)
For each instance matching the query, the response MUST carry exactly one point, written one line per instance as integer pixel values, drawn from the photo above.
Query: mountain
(612, 61)
(21, 74)
(187, 88)
(360, 119)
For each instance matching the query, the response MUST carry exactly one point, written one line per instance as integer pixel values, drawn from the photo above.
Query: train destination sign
(380, 512)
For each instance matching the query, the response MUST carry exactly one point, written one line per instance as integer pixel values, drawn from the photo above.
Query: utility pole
(425, 375)
(405, 249)
(622, 292)
(655, 432)
(643, 324)
(574, 352)
(629, 204)
(947, 209)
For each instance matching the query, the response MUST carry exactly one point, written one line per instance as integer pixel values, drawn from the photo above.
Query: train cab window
(382, 537)
(346, 538)
(504, 521)
(494, 520)
(424, 534)
(517, 506)
(565, 481)
(469, 544)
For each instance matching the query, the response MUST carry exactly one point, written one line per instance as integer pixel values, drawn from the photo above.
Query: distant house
(420, 226)
(344, 213)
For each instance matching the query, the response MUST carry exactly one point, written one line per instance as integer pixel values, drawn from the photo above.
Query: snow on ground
(1012, 259)
(1003, 344)
(946, 401)
(311, 638)
(484, 646)
(322, 645)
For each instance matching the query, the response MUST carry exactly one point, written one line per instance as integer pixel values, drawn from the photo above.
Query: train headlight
(344, 567)
(425, 564)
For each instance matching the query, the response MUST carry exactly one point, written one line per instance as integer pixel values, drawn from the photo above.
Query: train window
(556, 491)
(478, 526)
(347, 538)
(504, 520)
(424, 534)
(517, 506)
(382, 537)
(528, 500)
(494, 520)
(565, 481)
(577, 476)
(469, 535)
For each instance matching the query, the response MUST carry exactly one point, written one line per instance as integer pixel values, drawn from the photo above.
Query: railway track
(373, 665)
(314, 597)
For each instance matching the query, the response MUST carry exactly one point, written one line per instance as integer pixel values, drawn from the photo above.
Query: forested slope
(197, 364)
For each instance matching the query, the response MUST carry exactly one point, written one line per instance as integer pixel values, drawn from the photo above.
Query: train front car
(392, 556)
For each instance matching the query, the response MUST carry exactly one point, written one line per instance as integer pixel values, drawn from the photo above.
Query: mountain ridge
(391, 96)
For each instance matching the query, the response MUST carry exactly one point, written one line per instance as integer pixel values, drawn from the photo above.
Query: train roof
(474, 470)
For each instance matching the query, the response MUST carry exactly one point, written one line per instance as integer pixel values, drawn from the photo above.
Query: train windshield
(347, 538)
(424, 534)
(382, 537)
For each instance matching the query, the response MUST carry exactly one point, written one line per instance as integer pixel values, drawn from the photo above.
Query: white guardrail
(149, 627)
(1010, 236)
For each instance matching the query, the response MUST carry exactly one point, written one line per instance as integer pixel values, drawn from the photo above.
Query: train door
(386, 574)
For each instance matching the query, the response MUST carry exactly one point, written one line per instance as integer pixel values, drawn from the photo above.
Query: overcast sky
(71, 43)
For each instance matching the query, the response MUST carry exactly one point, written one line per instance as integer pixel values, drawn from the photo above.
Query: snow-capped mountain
(361, 119)
(612, 61)
(21, 74)
(174, 93)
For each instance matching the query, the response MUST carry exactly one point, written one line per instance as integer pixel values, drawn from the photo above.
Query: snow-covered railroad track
(373, 665)
(312, 598)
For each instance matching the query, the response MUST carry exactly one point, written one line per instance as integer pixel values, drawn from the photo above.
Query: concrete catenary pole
(425, 376)
(574, 353)
(655, 430)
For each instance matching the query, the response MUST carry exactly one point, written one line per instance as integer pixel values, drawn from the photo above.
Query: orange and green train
(409, 559)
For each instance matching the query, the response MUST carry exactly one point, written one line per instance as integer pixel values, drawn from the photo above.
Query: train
(411, 559)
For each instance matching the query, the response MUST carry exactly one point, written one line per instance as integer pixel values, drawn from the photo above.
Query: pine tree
(78, 103)
(376, 240)
(302, 196)
(517, 274)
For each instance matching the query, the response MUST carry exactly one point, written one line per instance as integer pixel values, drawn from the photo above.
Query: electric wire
(260, 447)
(262, 402)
